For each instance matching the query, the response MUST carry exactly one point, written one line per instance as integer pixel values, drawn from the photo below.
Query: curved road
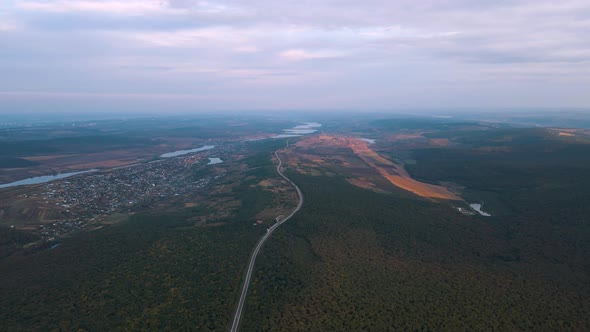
(238, 315)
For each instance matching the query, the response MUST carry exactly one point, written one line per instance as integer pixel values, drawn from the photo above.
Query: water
(369, 140)
(43, 179)
(477, 207)
(214, 161)
(183, 152)
(297, 131)
(304, 129)
(285, 136)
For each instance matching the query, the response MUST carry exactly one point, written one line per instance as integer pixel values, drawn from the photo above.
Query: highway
(240, 308)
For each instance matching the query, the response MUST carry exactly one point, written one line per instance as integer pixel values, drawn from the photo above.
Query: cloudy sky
(267, 54)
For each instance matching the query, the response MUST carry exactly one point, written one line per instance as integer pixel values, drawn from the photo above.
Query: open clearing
(394, 173)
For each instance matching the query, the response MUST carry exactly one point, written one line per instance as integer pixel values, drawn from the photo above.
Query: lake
(299, 130)
(478, 208)
(304, 129)
(214, 161)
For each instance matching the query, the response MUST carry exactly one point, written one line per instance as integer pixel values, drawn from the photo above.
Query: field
(33, 151)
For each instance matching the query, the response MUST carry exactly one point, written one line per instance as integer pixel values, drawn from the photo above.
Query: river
(183, 152)
(43, 179)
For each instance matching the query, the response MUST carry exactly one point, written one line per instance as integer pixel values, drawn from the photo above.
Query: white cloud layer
(128, 7)
(321, 54)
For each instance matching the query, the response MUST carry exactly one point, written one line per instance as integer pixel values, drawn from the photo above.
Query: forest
(351, 259)
(358, 260)
(354, 259)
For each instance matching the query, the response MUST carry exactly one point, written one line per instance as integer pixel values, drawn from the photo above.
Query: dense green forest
(537, 187)
(154, 272)
(358, 260)
(11, 240)
(351, 259)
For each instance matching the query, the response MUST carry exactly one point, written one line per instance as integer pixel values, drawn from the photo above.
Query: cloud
(66, 95)
(247, 49)
(299, 54)
(194, 37)
(378, 51)
(127, 8)
(8, 25)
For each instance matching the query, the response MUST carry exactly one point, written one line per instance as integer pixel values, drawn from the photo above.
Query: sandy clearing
(365, 184)
(265, 183)
(402, 179)
(394, 173)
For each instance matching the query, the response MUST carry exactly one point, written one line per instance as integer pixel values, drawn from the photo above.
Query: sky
(185, 55)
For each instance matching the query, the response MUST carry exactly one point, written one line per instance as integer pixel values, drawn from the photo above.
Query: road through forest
(240, 308)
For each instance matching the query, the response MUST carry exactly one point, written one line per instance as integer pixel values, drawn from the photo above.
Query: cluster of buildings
(57, 228)
(91, 197)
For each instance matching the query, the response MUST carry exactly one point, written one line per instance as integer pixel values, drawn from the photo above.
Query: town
(90, 198)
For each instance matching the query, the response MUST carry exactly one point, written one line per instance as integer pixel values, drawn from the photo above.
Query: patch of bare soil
(394, 173)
